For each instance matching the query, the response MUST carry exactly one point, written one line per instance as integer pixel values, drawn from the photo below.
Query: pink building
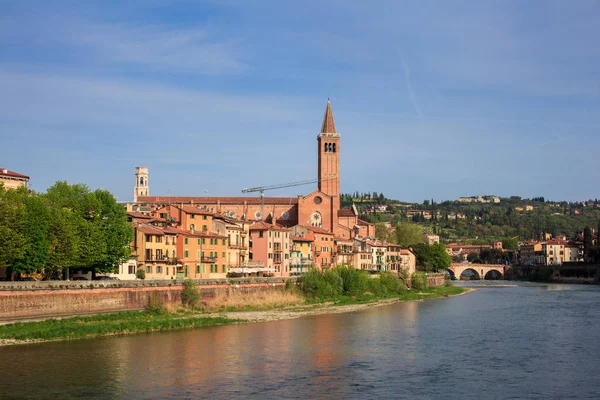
(270, 245)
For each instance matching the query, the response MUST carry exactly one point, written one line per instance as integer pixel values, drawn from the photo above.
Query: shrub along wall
(40, 303)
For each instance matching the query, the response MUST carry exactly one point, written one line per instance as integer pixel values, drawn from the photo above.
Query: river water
(517, 342)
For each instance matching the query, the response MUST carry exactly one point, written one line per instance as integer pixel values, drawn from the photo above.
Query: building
(301, 252)
(344, 251)
(557, 252)
(530, 252)
(12, 179)
(270, 249)
(323, 244)
(458, 249)
(141, 183)
(320, 208)
(430, 238)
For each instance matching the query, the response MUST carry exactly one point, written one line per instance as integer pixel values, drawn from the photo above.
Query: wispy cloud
(161, 47)
(411, 93)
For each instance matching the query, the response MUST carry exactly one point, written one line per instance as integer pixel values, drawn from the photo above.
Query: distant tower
(141, 183)
(329, 161)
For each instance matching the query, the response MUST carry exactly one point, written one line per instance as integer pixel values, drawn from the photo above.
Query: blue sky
(433, 99)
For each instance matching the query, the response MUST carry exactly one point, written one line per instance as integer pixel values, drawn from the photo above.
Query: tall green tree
(117, 232)
(35, 226)
(12, 240)
(408, 234)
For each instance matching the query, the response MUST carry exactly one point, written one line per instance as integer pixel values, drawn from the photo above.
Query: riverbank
(135, 322)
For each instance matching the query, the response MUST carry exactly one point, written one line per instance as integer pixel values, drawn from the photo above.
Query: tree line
(69, 226)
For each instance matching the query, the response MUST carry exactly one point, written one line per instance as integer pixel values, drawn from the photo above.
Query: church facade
(320, 208)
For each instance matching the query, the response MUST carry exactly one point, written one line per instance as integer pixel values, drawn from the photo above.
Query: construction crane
(262, 189)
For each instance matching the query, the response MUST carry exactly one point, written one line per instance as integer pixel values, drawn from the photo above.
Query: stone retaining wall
(54, 302)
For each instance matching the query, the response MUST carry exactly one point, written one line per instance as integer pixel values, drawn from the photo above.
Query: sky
(433, 99)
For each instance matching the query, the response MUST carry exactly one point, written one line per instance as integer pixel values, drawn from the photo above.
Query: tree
(440, 259)
(117, 233)
(35, 226)
(587, 242)
(381, 231)
(510, 244)
(423, 253)
(12, 240)
(408, 234)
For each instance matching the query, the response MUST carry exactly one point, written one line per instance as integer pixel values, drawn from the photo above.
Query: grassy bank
(336, 290)
(122, 323)
(406, 295)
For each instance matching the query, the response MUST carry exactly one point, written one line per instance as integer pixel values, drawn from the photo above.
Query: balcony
(277, 250)
(208, 260)
(238, 246)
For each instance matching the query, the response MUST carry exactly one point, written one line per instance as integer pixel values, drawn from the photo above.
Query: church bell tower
(329, 160)
(141, 183)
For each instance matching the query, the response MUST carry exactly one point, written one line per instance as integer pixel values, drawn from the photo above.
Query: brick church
(321, 208)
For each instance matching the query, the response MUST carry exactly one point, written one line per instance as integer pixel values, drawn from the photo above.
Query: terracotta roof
(406, 252)
(139, 215)
(300, 239)
(265, 226)
(363, 223)
(346, 213)
(11, 174)
(149, 230)
(328, 124)
(201, 200)
(317, 230)
(195, 210)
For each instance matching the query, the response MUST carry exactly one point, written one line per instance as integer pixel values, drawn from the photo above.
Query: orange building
(201, 255)
(323, 244)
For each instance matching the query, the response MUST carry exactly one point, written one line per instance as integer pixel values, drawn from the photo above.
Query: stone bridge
(481, 271)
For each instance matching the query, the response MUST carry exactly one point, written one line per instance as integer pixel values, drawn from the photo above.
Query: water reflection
(520, 342)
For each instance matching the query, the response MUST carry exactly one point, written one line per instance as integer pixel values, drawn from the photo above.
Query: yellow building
(155, 250)
(300, 254)
(11, 179)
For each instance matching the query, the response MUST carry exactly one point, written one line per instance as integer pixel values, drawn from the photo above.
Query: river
(529, 341)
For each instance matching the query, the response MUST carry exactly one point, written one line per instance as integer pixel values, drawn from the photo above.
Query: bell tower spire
(329, 161)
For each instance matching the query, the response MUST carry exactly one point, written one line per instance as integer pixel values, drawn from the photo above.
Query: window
(223, 254)
(197, 254)
(193, 227)
(163, 215)
(270, 255)
(224, 269)
(158, 269)
(193, 216)
(203, 241)
(148, 269)
(149, 238)
(158, 239)
(186, 253)
(224, 242)
(185, 241)
(199, 242)
(204, 228)
(203, 269)
(260, 234)
(269, 244)
(205, 217)
(197, 269)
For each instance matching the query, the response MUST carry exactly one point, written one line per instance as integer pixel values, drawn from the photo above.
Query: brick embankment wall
(435, 280)
(40, 302)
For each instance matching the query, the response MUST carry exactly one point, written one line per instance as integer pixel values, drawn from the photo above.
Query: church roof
(328, 124)
(248, 200)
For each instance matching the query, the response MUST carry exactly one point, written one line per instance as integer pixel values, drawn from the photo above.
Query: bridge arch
(450, 273)
(472, 274)
(493, 275)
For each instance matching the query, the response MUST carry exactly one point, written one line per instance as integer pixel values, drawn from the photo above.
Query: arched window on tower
(142, 181)
(333, 147)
